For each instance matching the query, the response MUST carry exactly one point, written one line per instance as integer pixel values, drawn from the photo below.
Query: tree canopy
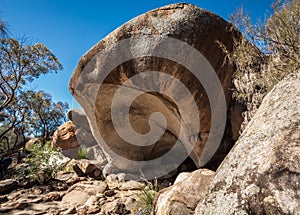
(20, 64)
(24, 112)
(267, 52)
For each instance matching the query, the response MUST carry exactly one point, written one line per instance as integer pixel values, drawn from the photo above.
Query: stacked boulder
(76, 134)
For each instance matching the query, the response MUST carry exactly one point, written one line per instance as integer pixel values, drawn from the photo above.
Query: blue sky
(71, 27)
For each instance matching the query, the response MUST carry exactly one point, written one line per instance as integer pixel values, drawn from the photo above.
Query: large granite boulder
(184, 195)
(261, 175)
(139, 46)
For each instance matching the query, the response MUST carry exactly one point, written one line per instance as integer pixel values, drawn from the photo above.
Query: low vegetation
(146, 197)
(82, 153)
(40, 166)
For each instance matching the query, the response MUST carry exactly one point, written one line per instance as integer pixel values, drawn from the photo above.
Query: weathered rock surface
(188, 23)
(30, 143)
(65, 138)
(83, 131)
(84, 135)
(76, 134)
(185, 194)
(88, 168)
(261, 175)
(75, 198)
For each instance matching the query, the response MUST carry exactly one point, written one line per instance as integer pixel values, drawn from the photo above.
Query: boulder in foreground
(261, 175)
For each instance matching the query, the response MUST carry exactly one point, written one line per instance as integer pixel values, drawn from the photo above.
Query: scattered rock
(182, 177)
(115, 207)
(66, 176)
(261, 175)
(71, 210)
(93, 210)
(75, 198)
(75, 134)
(21, 205)
(101, 187)
(91, 187)
(131, 185)
(59, 160)
(89, 168)
(131, 203)
(75, 180)
(114, 180)
(110, 193)
(93, 201)
(7, 186)
(3, 199)
(52, 196)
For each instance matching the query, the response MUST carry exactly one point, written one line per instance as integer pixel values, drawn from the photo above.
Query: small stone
(131, 185)
(121, 177)
(71, 210)
(64, 137)
(52, 196)
(93, 210)
(115, 207)
(92, 201)
(8, 185)
(101, 187)
(75, 198)
(21, 205)
(182, 176)
(37, 191)
(75, 180)
(87, 168)
(36, 200)
(98, 174)
(132, 204)
(63, 176)
(3, 199)
(112, 179)
(109, 193)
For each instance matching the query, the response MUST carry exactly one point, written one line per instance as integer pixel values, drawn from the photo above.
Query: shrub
(265, 54)
(82, 153)
(41, 164)
(146, 197)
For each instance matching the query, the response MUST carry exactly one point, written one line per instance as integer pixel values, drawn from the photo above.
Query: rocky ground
(72, 194)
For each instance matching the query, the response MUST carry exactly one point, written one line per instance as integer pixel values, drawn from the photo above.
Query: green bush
(146, 197)
(37, 166)
(82, 153)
